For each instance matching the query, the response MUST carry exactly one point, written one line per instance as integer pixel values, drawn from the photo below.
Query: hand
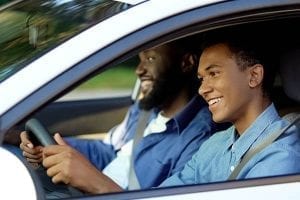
(33, 154)
(66, 165)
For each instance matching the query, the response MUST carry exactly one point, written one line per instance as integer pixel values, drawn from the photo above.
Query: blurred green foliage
(116, 78)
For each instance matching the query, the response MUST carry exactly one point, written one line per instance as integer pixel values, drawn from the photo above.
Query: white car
(50, 47)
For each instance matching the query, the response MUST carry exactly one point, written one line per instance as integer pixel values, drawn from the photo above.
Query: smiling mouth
(146, 85)
(146, 82)
(214, 101)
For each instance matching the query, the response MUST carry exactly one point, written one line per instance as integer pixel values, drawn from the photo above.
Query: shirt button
(232, 168)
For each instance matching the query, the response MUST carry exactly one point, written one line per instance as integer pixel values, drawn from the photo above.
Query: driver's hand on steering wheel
(33, 154)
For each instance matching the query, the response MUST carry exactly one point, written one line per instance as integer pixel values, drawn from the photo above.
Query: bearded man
(178, 124)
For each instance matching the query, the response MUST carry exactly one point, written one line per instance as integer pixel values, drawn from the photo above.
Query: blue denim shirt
(218, 156)
(159, 155)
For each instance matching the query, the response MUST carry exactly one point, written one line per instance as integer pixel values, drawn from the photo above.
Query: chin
(218, 119)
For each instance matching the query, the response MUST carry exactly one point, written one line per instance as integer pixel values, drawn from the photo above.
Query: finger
(33, 156)
(57, 173)
(59, 139)
(34, 160)
(54, 154)
(25, 140)
(22, 146)
(54, 149)
(35, 150)
(60, 178)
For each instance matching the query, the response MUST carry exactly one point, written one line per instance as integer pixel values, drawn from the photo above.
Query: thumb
(59, 139)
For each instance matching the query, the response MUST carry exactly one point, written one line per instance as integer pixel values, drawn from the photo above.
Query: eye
(150, 59)
(213, 74)
(200, 78)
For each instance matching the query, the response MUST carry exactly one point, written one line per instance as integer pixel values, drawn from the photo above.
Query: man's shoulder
(290, 138)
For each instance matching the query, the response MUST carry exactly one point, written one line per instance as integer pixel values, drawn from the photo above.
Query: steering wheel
(38, 134)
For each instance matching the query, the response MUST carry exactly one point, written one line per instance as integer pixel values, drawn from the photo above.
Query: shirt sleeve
(184, 177)
(194, 143)
(97, 152)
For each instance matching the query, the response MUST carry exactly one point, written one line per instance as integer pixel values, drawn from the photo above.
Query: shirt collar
(254, 131)
(230, 138)
(185, 116)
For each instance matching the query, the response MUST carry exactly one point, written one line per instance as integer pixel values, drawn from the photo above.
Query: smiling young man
(179, 122)
(237, 77)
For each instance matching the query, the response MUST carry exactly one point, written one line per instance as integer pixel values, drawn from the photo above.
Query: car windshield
(28, 29)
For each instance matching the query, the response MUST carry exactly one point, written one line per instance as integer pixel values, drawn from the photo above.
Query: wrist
(103, 184)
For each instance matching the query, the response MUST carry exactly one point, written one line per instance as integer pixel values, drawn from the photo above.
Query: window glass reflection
(30, 28)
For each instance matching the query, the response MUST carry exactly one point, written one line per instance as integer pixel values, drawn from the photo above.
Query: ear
(188, 63)
(256, 75)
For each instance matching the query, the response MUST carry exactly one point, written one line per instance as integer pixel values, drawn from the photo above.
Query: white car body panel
(63, 57)
(275, 192)
(16, 180)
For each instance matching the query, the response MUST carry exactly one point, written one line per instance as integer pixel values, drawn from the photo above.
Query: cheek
(159, 73)
(155, 70)
(223, 85)
(236, 93)
(230, 89)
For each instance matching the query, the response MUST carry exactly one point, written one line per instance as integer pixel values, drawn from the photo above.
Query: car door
(276, 187)
(189, 22)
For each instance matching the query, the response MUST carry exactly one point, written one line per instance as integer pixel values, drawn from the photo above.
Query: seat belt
(133, 183)
(255, 150)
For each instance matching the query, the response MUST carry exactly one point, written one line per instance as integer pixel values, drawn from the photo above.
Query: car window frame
(170, 28)
(200, 190)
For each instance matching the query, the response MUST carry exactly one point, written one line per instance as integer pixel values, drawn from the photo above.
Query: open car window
(29, 29)
(115, 82)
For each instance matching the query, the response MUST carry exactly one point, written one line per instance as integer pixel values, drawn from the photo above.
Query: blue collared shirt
(158, 155)
(218, 156)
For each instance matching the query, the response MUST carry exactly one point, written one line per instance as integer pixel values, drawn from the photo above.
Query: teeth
(213, 101)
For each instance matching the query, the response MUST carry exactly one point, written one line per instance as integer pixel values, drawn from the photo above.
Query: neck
(176, 105)
(251, 115)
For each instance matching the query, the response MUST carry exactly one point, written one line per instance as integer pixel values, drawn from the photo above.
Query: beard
(165, 88)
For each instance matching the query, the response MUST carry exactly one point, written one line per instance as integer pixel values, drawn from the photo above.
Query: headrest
(290, 73)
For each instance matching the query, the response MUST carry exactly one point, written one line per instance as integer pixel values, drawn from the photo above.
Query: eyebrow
(209, 68)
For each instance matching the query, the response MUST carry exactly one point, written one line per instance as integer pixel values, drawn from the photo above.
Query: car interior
(89, 116)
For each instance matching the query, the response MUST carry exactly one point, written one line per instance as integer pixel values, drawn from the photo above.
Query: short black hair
(249, 47)
(189, 45)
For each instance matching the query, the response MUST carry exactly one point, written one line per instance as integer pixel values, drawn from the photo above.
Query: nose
(140, 69)
(204, 88)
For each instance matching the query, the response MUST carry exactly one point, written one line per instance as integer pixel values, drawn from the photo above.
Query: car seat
(290, 76)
